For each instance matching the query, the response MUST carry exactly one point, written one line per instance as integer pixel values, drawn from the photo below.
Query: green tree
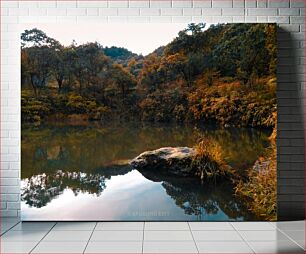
(124, 81)
(38, 55)
(89, 63)
(37, 38)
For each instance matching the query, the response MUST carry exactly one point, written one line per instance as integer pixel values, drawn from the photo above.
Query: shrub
(209, 161)
(259, 190)
(99, 113)
(235, 104)
(33, 109)
(180, 113)
(76, 104)
(162, 106)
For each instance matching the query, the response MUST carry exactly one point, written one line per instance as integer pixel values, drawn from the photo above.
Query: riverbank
(227, 103)
(259, 189)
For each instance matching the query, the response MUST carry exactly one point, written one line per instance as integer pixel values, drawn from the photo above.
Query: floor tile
(114, 247)
(211, 226)
(33, 226)
(297, 235)
(223, 247)
(60, 247)
(167, 236)
(5, 226)
(17, 247)
(9, 220)
(276, 247)
(169, 247)
(253, 225)
(216, 236)
(273, 235)
(160, 237)
(8, 224)
(166, 226)
(23, 236)
(69, 236)
(3, 230)
(290, 225)
(120, 226)
(63, 226)
(105, 236)
(301, 243)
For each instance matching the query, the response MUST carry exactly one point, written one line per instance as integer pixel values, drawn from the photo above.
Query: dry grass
(260, 190)
(209, 161)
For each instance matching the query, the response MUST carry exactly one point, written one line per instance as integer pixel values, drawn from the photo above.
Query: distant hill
(126, 58)
(119, 55)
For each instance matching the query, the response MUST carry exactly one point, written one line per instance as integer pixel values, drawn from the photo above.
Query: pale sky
(138, 38)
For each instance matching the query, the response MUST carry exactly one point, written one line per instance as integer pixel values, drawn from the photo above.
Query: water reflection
(88, 167)
(39, 190)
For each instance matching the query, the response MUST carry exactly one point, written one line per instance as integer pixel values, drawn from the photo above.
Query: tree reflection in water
(202, 198)
(100, 152)
(188, 193)
(206, 199)
(39, 190)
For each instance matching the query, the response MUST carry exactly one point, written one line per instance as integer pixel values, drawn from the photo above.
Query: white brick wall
(290, 14)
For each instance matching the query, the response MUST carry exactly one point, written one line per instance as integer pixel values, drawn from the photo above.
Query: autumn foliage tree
(225, 74)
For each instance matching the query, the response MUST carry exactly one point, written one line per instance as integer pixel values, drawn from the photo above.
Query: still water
(82, 173)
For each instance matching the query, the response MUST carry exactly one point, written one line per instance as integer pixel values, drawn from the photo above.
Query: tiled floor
(152, 237)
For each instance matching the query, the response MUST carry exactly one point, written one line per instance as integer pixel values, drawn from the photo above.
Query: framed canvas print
(149, 122)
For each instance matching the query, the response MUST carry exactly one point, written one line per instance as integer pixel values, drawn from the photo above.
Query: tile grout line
(90, 237)
(273, 225)
(10, 228)
(143, 232)
(244, 240)
(193, 237)
(43, 238)
(291, 239)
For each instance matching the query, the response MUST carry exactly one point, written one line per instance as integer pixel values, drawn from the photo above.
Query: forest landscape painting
(144, 122)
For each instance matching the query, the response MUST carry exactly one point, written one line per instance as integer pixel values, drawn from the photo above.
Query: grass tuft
(209, 161)
(260, 190)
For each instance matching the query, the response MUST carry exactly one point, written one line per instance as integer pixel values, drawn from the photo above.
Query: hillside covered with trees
(224, 74)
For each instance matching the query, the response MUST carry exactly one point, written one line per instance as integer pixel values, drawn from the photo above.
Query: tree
(183, 66)
(69, 60)
(195, 29)
(242, 52)
(59, 68)
(271, 46)
(37, 64)
(123, 79)
(254, 56)
(38, 56)
(89, 61)
(37, 38)
(149, 76)
(226, 54)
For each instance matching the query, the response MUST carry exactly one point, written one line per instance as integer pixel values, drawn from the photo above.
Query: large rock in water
(169, 160)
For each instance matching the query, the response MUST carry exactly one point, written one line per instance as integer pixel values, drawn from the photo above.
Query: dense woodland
(223, 75)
